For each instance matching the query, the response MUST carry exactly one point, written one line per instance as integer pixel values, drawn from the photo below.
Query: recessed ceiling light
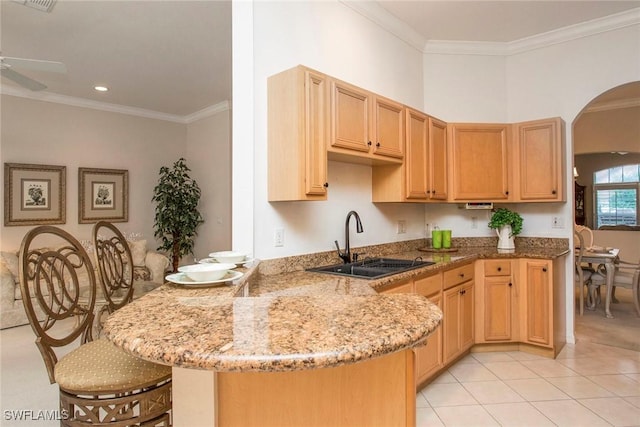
(101, 88)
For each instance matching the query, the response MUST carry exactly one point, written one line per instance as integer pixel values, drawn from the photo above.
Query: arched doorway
(606, 136)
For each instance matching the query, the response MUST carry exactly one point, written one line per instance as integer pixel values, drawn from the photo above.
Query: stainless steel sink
(372, 268)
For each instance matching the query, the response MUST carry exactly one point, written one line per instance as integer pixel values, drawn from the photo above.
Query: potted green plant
(507, 224)
(177, 217)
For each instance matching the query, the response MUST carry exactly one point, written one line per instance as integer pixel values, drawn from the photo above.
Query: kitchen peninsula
(284, 346)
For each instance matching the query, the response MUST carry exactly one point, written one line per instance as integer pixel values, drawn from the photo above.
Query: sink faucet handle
(357, 255)
(345, 256)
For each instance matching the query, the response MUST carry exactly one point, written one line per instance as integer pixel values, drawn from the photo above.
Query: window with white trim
(616, 195)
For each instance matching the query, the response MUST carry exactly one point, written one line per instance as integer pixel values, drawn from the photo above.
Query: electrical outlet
(558, 222)
(278, 237)
(474, 222)
(402, 226)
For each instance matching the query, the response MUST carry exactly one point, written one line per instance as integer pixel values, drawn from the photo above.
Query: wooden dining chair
(582, 276)
(99, 383)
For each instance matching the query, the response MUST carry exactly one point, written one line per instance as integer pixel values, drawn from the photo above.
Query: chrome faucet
(346, 254)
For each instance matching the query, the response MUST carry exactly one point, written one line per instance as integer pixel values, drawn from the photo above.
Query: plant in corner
(177, 217)
(507, 224)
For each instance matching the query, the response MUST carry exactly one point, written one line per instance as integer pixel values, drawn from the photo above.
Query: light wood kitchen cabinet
(365, 125)
(457, 306)
(423, 175)
(538, 156)
(297, 134)
(479, 161)
(537, 302)
(429, 357)
(497, 301)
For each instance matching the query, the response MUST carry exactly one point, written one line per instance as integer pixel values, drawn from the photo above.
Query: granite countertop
(290, 321)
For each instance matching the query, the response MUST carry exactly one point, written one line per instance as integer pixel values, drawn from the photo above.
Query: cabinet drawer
(428, 285)
(458, 275)
(497, 267)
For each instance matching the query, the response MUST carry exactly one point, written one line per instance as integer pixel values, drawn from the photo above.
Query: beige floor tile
(569, 413)
(461, 416)
(497, 356)
(421, 401)
(522, 355)
(510, 370)
(427, 417)
(518, 414)
(574, 351)
(635, 401)
(535, 389)
(549, 368)
(580, 387)
(448, 395)
(615, 410)
(444, 378)
(471, 372)
(486, 392)
(620, 385)
(635, 377)
(467, 359)
(597, 365)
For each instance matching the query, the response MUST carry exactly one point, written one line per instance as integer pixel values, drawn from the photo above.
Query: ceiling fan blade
(35, 64)
(22, 80)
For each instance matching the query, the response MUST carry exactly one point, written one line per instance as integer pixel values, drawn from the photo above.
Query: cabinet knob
(433, 191)
(510, 284)
(325, 185)
(369, 143)
(377, 144)
(553, 192)
(544, 269)
(462, 292)
(499, 268)
(461, 274)
(507, 192)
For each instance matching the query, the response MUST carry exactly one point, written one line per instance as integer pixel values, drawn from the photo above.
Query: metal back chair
(581, 275)
(99, 383)
(115, 265)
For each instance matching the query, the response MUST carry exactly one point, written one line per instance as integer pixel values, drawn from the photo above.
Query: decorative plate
(183, 279)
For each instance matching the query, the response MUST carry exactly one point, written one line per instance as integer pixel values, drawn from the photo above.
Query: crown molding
(379, 15)
(613, 105)
(112, 108)
(386, 20)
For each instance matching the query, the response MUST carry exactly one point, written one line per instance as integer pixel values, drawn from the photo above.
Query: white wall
(41, 132)
(336, 40)
(209, 158)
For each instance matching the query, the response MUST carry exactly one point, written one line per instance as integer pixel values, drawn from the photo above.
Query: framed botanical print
(34, 194)
(103, 195)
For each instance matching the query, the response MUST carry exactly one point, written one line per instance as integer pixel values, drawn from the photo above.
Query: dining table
(607, 257)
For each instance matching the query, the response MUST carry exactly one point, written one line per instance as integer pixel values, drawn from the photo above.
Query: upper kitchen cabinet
(297, 134)
(539, 156)
(479, 161)
(365, 125)
(423, 175)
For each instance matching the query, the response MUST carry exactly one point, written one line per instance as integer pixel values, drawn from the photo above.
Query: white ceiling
(174, 57)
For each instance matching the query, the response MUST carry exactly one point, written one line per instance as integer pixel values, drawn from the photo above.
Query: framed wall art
(103, 195)
(34, 194)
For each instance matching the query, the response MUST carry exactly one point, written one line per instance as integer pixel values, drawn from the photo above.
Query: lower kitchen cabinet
(429, 357)
(497, 300)
(537, 302)
(457, 307)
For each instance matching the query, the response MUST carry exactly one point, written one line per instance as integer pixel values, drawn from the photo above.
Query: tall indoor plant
(507, 224)
(177, 217)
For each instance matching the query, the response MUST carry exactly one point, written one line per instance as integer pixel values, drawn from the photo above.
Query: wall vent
(43, 5)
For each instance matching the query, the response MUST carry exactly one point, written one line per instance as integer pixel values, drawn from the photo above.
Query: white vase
(505, 238)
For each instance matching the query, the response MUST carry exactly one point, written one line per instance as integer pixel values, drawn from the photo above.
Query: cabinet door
(316, 131)
(429, 357)
(537, 301)
(350, 109)
(466, 316)
(437, 159)
(388, 128)
(539, 164)
(498, 308)
(416, 161)
(479, 164)
(451, 323)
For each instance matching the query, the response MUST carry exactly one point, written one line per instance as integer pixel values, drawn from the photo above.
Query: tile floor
(587, 385)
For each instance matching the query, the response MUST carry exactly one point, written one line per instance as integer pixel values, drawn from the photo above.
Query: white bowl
(206, 272)
(229, 256)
